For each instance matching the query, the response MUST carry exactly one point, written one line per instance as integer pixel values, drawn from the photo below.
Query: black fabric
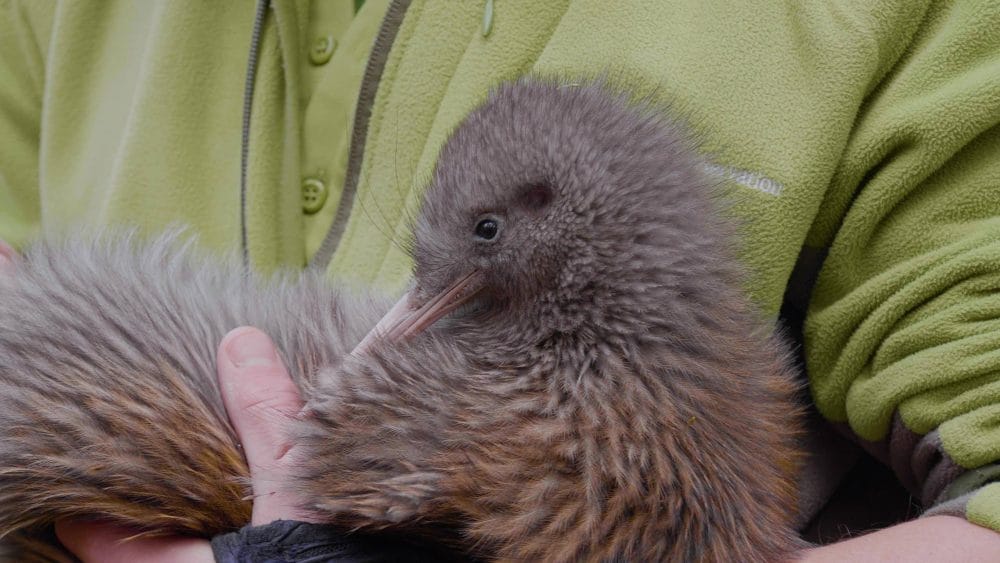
(869, 498)
(287, 541)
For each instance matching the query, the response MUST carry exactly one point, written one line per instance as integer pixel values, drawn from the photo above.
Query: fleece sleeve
(903, 329)
(22, 71)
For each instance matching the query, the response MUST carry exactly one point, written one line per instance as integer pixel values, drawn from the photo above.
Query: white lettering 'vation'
(747, 179)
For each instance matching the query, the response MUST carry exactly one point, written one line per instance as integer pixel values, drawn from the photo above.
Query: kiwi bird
(575, 374)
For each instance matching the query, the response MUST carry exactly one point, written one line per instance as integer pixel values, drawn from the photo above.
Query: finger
(258, 394)
(7, 255)
(92, 542)
(261, 400)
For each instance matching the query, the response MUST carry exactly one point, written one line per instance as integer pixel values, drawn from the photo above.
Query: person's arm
(903, 327)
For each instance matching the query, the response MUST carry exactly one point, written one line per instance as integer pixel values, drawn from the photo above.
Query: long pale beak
(407, 318)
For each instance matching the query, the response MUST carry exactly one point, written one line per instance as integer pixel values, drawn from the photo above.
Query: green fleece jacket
(861, 140)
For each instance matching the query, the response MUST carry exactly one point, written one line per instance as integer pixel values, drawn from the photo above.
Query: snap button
(322, 49)
(314, 194)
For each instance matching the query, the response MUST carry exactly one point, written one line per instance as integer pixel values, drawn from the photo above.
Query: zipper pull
(488, 18)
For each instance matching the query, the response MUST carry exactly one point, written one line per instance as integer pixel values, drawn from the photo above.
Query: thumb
(260, 399)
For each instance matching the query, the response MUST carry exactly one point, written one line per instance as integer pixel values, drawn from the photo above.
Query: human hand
(941, 539)
(260, 398)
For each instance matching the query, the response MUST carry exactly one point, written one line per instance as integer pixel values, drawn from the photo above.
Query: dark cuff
(284, 541)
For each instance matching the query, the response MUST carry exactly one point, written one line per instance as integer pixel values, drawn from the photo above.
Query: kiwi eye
(487, 229)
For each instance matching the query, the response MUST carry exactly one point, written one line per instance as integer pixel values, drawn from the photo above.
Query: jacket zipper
(362, 115)
(391, 23)
(255, 38)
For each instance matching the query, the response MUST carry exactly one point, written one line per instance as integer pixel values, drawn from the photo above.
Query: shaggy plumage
(599, 389)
